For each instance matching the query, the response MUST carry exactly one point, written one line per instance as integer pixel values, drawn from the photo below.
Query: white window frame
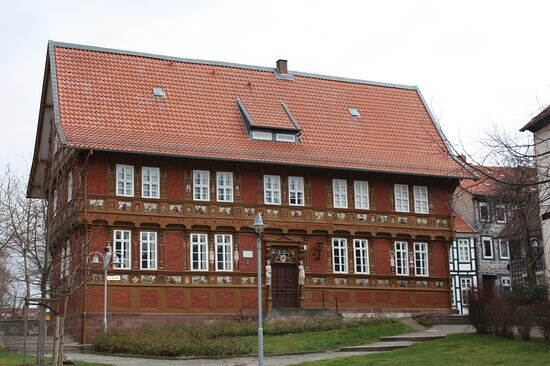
(272, 189)
(70, 187)
(122, 249)
(201, 185)
(361, 256)
(453, 297)
(506, 282)
(224, 252)
(199, 252)
(401, 258)
(506, 244)
(421, 199)
(340, 255)
(150, 182)
(401, 193)
(463, 246)
(420, 259)
(224, 186)
(466, 284)
(124, 180)
(295, 191)
(484, 239)
(488, 218)
(502, 209)
(340, 193)
(361, 191)
(261, 135)
(148, 250)
(285, 137)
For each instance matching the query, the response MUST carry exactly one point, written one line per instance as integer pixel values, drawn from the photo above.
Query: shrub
(523, 318)
(524, 295)
(542, 319)
(500, 313)
(477, 303)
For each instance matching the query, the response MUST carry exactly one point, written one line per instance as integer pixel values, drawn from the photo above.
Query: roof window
(285, 137)
(159, 92)
(354, 112)
(260, 135)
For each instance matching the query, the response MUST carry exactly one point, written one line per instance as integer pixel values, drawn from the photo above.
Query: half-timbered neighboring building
(462, 264)
(168, 160)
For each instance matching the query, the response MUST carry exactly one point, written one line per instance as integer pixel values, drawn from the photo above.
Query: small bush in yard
(210, 339)
(500, 312)
(542, 319)
(524, 317)
(477, 303)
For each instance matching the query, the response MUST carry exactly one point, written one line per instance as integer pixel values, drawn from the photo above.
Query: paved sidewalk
(438, 330)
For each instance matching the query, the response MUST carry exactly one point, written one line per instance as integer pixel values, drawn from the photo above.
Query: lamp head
(95, 259)
(258, 225)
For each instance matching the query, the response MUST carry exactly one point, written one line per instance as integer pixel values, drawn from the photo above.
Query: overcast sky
(477, 63)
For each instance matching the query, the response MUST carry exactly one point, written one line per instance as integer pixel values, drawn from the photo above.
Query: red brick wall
(318, 191)
(98, 239)
(225, 299)
(249, 187)
(175, 182)
(173, 250)
(148, 298)
(382, 196)
(382, 256)
(440, 200)
(174, 298)
(247, 241)
(97, 178)
(200, 299)
(95, 297)
(438, 258)
(121, 298)
(317, 266)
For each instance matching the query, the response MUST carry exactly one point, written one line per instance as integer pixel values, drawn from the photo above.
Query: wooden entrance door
(284, 288)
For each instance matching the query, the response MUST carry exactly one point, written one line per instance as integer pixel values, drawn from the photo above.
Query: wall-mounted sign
(113, 278)
(248, 254)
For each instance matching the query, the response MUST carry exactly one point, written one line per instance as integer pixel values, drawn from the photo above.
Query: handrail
(334, 301)
(248, 306)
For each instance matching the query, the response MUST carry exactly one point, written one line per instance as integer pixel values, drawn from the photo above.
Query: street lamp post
(259, 226)
(106, 260)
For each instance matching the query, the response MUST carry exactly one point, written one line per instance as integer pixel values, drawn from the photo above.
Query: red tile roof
(105, 102)
(495, 180)
(461, 226)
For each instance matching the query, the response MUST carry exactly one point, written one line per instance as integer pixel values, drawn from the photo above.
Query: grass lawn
(326, 340)
(456, 349)
(16, 359)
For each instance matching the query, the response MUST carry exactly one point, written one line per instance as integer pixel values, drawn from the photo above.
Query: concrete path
(437, 331)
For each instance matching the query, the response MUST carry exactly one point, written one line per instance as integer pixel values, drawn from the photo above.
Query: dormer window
(354, 112)
(286, 137)
(260, 135)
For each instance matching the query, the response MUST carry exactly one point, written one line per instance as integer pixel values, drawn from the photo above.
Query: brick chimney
(282, 67)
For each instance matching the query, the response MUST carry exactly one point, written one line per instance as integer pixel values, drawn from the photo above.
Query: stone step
(451, 319)
(411, 338)
(378, 347)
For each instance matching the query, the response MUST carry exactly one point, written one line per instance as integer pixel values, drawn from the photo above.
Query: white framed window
(401, 258)
(55, 203)
(148, 244)
(361, 189)
(420, 259)
(506, 282)
(500, 213)
(487, 246)
(201, 185)
(199, 252)
(340, 193)
(272, 190)
(420, 199)
(504, 249)
(224, 252)
(259, 135)
(401, 192)
(150, 178)
(340, 255)
(124, 180)
(484, 212)
(70, 187)
(465, 288)
(453, 298)
(296, 191)
(285, 137)
(463, 250)
(361, 255)
(122, 250)
(224, 181)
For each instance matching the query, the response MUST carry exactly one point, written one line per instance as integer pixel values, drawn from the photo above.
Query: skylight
(354, 112)
(159, 93)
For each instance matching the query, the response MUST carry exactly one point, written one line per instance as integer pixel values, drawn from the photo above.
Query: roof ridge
(227, 64)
